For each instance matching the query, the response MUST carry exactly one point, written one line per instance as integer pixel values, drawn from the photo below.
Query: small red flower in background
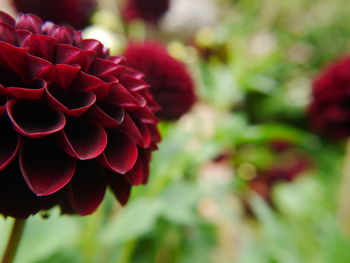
(287, 163)
(171, 84)
(148, 10)
(330, 107)
(75, 13)
(73, 120)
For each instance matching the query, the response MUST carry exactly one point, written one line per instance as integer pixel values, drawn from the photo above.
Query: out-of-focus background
(241, 178)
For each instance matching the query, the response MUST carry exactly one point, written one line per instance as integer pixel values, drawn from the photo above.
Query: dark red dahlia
(148, 10)
(75, 13)
(330, 107)
(171, 84)
(284, 161)
(73, 120)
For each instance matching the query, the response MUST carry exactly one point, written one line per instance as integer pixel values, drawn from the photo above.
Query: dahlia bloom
(75, 13)
(73, 120)
(171, 84)
(330, 107)
(148, 10)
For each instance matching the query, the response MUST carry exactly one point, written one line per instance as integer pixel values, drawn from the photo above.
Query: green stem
(14, 239)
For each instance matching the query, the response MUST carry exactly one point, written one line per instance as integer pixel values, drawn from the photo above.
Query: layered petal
(120, 154)
(9, 143)
(35, 119)
(83, 140)
(120, 187)
(87, 189)
(45, 167)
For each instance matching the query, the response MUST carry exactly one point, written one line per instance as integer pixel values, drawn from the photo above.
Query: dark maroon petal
(64, 35)
(108, 116)
(85, 82)
(146, 134)
(16, 199)
(6, 19)
(34, 118)
(129, 127)
(87, 189)
(70, 103)
(40, 68)
(45, 167)
(83, 140)
(30, 22)
(41, 46)
(135, 73)
(145, 115)
(119, 186)
(9, 143)
(120, 154)
(145, 157)
(133, 84)
(103, 67)
(65, 74)
(136, 175)
(8, 34)
(119, 95)
(67, 54)
(94, 45)
(34, 91)
(14, 59)
(3, 102)
(154, 133)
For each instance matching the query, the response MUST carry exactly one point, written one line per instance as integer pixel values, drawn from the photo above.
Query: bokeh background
(240, 178)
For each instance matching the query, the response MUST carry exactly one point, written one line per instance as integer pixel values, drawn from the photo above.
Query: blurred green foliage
(253, 87)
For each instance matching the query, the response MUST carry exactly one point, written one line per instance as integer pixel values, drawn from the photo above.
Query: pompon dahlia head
(330, 106)
(73, 120)
(171, 84)
(148, 10)
(75, 13)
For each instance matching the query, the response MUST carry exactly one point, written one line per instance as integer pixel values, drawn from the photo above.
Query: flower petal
(120, 154)
(70, 103)
(119, 186)
(136, 175)
(16, 199)
(29, 22)
(6, 19)
(120, 96)
(103, 67)
(3, 102)
(45, 167)
(92, 44)
(14, 59)
(40, 68)
(87, 189)
(8, 34)
(109, 116)
(68, 54)
(34, 118)
(83, 140)
(35, 90)
(132, 83)
(65, 74)
(41, 46)
(9, 143)
(129, 127)
(85, 82)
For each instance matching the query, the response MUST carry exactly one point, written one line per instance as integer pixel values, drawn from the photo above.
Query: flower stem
(13, 242)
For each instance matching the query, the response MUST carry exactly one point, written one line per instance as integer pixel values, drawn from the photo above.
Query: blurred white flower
(186, 17)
